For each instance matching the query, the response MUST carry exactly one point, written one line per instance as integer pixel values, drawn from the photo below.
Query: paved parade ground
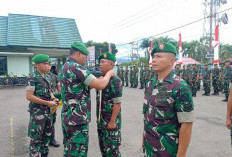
(210, 138)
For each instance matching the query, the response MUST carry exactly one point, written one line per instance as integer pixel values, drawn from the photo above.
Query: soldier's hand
(51, 103)
(228, 123)
(111, 125)
(56, 101)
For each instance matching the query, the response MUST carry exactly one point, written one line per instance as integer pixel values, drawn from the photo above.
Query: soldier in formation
(109, 112)
(141, 77)
(126, 76)
(168, 107)
(226, 78)
(216, 79)
(194, 80)
(207, 78)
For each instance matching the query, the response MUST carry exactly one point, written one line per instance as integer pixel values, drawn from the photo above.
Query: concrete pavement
(210, 137)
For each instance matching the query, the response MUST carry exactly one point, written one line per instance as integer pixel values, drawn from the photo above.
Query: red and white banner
(150, 57)
(180, 50)
(216, 46)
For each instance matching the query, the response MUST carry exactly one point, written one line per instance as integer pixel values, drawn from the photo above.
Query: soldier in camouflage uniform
(135, 77)
(122, 75)
(221, 78)
(76, 82)
(131, 77)
(207, 78)
(195, 79)
(126, 75)
(177, 70)
(55, 88)
(226, 78)
(38, 92)
(109, 124)
(216, 79)
(183, 76)
(141, 77)
(188, 75)
(199, 80)
(118, 72)
(147, 75)
(168, 108)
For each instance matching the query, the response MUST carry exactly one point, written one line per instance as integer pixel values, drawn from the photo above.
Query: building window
(3, 65)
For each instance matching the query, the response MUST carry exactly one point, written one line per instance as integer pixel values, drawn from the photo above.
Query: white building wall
(18, 65)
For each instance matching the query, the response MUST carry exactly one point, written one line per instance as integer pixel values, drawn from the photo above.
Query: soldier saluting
(168, 107)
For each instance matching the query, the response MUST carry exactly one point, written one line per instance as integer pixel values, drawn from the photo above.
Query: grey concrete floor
(210, 138)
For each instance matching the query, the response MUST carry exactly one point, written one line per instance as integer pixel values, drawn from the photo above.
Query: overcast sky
(123, 21)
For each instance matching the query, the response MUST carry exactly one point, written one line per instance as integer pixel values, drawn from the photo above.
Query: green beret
(40, 58)
(227, 60)
(80, 47)
(194, 64)
(164, 47)
(215, 64)
(206, 64)
(222, 65)
(108, 56)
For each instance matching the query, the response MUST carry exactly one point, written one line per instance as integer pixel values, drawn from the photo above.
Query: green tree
(145, 45)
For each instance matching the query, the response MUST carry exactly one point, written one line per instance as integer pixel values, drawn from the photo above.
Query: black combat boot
(204, 93)
(226, 98)
(44, 154)
(53, 142)
(214, 93)
(207, 94)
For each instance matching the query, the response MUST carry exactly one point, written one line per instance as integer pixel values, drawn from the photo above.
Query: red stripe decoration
(216, 61)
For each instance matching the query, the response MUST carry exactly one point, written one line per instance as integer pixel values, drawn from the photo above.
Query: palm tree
(145, 45)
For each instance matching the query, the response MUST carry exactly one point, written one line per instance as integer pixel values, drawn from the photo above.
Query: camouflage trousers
(126, 80)
(226, 87)
(39, 130)
(194, 87)
(151, 148)
(109, 142)
(53, 118)
(76, 143)
(206, 86)
(216, 85)
(122, 78)
(135, 82)
(131, 81)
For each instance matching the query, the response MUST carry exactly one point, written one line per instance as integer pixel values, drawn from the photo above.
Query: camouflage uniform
(76, 112)
(141, 77)
(227, 79)
(147, 76)
(131, 77)
(54, 82)
(194, 84)
(221, 80)
(126, 76)
(177, 72)
(109, 140)
(136, 71)
(199, 81)
(40, 124)
(168, 103)
(215, 80)
(122, 75)
(206, 81)
(118, 72)
(188, 74)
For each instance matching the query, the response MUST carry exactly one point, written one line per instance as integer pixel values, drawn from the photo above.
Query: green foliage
(196, 49)
(101, 47)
